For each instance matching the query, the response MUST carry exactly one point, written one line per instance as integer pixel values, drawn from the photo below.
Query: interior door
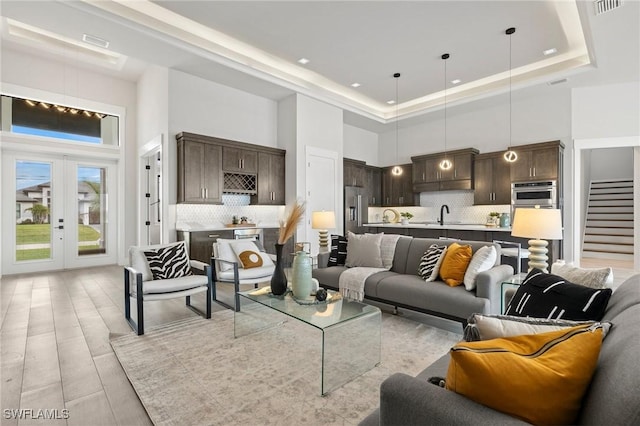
(64, 213)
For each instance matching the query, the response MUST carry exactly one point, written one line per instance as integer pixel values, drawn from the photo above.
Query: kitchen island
(462, 231)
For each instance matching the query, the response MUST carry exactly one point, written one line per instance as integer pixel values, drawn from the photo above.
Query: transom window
(69, 123)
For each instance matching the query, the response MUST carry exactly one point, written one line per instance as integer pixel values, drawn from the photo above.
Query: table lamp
(323, 221)
(539, 225)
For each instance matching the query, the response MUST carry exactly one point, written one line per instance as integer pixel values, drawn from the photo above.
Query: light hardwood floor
(56, 354)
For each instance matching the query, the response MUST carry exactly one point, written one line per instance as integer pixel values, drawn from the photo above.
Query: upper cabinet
(354, 173)
(492, 180)
(397, 190)
(537, 161)
(239, 160)
(428, 176)
(271, 178)
(199, 172)
(374, 185)
(209, 167)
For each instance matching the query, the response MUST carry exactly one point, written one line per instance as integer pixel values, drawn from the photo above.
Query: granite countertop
(217, 226)
(457, 226)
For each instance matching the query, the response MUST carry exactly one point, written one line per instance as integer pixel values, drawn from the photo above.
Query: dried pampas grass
(288, 226)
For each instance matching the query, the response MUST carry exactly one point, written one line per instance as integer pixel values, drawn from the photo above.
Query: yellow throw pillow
(455, 263)
(250, 259)
(539, 378)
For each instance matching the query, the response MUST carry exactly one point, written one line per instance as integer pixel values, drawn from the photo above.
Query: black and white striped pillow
(338, 254)
(168, 262)
(550, 296)
(430, 262)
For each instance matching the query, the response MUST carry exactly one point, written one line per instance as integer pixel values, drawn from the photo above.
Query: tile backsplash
(234, 205)
(461, 208)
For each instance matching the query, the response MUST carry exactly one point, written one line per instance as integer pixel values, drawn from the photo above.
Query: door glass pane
(33, 206)
(92, 210)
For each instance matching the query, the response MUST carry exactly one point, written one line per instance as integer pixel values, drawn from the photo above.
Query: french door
(59, 212)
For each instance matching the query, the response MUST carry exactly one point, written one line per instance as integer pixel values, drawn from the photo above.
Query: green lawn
(41, 234)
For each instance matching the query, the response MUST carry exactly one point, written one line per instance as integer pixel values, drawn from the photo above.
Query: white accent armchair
(145, 288)
(227, 269)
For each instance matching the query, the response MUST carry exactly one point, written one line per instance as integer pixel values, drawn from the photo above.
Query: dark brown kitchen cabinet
(492, 179)
(271, 178)
(397, 191)
(354, 173)
(199, 172)
(374, 185)
(428, 175)
(537, 162)
(239, 160)
(200, 243)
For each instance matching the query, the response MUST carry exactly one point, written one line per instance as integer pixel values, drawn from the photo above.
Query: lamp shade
(323, 220)
(541, 224)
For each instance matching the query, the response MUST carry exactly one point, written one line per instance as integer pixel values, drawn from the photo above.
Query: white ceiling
(254, 46)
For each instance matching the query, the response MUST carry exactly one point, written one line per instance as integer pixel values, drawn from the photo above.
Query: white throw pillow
(363, 250)
(486, 327)
(241, 246)
(482, 260)
(388, 249)
(588, 277)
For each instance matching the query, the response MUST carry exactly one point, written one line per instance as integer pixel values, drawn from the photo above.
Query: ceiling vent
(553, 83)
(96, 41)
(602, 6)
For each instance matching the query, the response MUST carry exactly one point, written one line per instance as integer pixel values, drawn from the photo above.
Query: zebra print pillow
(550, 296)
(168, 262)
(430, 262)
(338, 254)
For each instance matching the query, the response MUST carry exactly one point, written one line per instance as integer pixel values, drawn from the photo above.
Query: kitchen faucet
(441, 220)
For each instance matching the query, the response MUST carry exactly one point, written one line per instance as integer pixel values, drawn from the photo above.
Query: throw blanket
(352, 280)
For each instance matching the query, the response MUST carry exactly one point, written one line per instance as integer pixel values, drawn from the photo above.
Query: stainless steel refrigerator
(356, 209)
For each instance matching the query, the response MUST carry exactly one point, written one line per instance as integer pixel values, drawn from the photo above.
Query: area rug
(194, 372)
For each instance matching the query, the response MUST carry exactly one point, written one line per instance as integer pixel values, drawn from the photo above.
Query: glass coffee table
(349, 331)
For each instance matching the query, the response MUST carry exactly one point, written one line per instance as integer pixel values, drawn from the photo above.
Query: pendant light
(396, 170)
(510, 155)
(445, 164)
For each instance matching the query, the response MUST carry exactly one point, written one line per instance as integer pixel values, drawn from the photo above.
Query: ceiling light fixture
(355, 85)
(391, 101)
(549, 51)
(396, 170)
(303, 61)
(456, 81)
(445, 164)
(510, 155)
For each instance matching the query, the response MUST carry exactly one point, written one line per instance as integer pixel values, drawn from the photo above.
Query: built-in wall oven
(543, 193)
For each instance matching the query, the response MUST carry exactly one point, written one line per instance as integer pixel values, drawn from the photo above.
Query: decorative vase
(301, 283)
(279, 279)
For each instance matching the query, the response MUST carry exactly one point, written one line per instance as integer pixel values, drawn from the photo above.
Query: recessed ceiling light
(355, 84)
(391, 102)
(550, 51)
(303, 61)
(456, 81)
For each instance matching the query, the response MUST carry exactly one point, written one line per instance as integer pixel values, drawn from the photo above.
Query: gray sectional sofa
(612, 397)
(402, 287)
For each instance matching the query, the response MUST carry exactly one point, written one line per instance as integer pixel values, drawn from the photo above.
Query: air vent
(602, 6)
(553, 83)
(240, 183)
(96, 41)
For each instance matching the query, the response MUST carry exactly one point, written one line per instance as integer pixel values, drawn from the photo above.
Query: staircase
(608, 229)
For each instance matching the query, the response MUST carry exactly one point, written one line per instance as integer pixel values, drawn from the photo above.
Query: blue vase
(279, 279)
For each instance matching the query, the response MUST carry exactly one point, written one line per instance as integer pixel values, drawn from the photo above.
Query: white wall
(361, 144)
(606, 111)
(207, 108)
(536, 117)
(611, 163)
